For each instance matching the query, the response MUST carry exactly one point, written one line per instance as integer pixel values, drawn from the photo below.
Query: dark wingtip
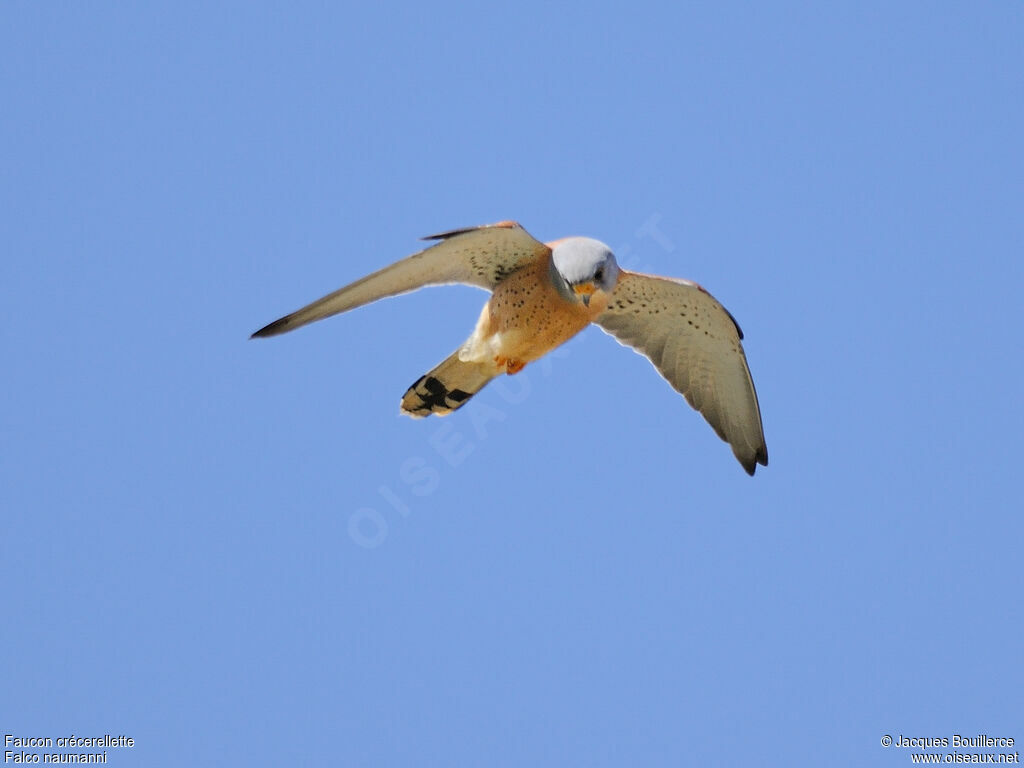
(453, 232)
(761, 457)
(276, 327)
(446, 235)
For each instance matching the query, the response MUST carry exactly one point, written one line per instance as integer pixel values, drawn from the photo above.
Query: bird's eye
(599, 275)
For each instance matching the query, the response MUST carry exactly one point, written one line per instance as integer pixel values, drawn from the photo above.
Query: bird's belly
(526, 318)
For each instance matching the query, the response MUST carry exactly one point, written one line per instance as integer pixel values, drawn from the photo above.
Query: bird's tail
(447, 387)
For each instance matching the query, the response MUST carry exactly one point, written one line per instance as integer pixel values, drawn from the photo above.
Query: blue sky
(236, 552)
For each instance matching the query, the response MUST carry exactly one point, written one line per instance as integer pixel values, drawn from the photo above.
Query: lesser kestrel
(542, 296)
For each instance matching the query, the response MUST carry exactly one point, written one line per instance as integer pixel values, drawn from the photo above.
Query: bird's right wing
(694, 343)
(480, 256)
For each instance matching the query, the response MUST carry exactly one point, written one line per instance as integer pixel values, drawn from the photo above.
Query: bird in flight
(543, 294)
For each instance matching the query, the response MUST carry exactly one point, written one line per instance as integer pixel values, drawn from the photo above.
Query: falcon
(543, 294)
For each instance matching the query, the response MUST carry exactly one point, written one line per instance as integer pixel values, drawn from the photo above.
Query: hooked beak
(584, 291)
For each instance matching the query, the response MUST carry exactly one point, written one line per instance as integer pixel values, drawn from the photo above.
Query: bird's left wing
(481, 256)
(694, 343)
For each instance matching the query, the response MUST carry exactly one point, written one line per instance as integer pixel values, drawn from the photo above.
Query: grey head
(584, 266)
